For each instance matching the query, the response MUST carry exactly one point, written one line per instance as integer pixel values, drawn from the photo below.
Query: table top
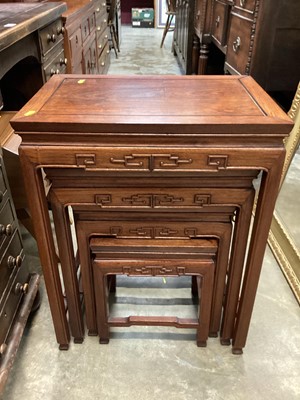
(213, 105)
(18, 20)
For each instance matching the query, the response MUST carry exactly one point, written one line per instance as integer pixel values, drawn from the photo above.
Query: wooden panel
(219, 24)
(239, 43)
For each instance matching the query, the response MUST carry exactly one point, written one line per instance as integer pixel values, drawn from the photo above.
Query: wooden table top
(18, 20)
(161, 104)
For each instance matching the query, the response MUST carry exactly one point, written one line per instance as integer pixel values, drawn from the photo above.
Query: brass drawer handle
(98, 9)
(218, 20)
(14, 261)
(6, 230)
(54, 71)
(51, 38)
(236, 44)
(19, 288)
(63, 61)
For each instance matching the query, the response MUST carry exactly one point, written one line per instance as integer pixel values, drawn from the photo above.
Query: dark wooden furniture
(86, 37)
(31, 49)
(255, 36)
(184, 33)
(18, 288)
(154, 257)
(225, 126)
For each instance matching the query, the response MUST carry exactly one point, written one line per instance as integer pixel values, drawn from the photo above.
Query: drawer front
(239, 43)
(220, 22)
(56, 66)
(101, 22)
(153, 199)
(11, 260)
(90, 59)
(247, 5)
(85, 30)
(50, 36)
(102, 39)
(104, 60)
(7, 223)
(9, 309)
(75, 44)
(92, 22)
(101, 8)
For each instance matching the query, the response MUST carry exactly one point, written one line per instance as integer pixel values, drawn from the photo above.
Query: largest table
(149, 127)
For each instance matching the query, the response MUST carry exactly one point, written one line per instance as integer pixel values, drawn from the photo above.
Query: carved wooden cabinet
(86, 37)
(183, 34)
(257, 37)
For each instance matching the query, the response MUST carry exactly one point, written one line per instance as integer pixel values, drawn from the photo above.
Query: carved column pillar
(203, 58)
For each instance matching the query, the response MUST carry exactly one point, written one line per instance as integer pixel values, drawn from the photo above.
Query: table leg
(39, 210)
(237, 257)
(263, 216)
(68, 266)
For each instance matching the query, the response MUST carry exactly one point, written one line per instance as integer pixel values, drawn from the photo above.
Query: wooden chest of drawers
(86, 37)
(18, 288)
(257, 37)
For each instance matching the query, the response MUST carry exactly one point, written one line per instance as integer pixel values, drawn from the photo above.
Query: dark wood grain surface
(20, 19)
(172, 104)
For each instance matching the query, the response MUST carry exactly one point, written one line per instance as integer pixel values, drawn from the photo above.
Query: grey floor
(162, 363)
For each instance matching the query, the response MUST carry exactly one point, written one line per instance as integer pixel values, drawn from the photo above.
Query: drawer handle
(102, 64)
(19, 288)
(103, 4)
(1, 196)
(3, 348)
(54, 71)
(236, 44)
(61, 30)
(6, 230)
(98, 9)
(100, 46)
(51, 38)
(14, 261)
(218, 20)
(63, 61)
(242, 3)
(99, 28)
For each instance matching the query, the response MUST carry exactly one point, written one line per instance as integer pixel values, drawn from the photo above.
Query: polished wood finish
(225, 126)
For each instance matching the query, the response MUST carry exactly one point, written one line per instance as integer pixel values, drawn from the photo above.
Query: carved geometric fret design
(103, 200)
(152, 200)
(191, 232)
(151, 161)
(153, 232)
(218, 161)
(85, 160)
(202, 199)
(153, 270)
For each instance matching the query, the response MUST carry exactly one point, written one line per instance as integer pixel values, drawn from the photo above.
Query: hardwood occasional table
(165, 131)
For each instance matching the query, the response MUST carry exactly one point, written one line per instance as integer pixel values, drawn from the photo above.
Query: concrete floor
(162, 363)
